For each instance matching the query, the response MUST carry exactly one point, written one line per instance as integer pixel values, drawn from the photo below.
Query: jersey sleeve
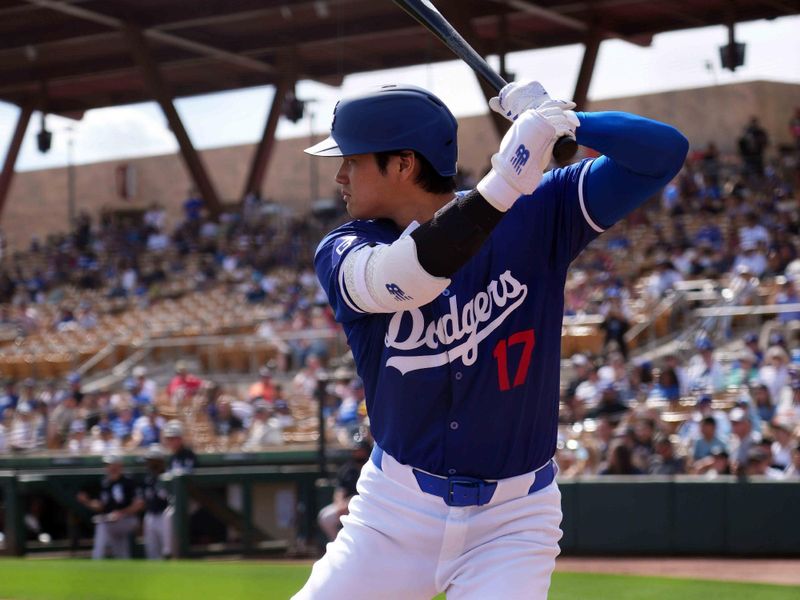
(556, 216)
(328, 260)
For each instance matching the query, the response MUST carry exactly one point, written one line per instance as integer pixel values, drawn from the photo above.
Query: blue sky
(683, 59)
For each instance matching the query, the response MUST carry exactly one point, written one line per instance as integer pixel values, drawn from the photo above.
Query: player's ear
(406, 164)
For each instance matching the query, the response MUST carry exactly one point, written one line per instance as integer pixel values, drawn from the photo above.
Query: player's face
(364, 187)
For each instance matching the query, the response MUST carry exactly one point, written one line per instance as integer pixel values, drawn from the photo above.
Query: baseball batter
(452, 304)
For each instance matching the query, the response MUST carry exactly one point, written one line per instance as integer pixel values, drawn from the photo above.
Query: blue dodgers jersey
(469, 383)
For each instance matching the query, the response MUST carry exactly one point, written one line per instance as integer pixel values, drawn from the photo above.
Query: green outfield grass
(199, 580)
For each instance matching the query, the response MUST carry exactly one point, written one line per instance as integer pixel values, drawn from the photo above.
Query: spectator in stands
(662, 280)
(774, 373)
(793, 470)
(23, 434)
(346, 417)
(743, 439)
(9, 397)
(615, 323)
(664, 461)
(620, 461)
(708, 234)
(752, 145)
(705, 373)
(329, 518)
(643, 440)
(616, 371)
(787, 294)
(144, 391)
(708, 441)
(265, 430)
(227, 426)
(580, 367)
(718, 463)
(183, 385)
(666, 387)
(102, 439)
(750, 260)
(61, 419)
(119, 502)
(305, 381)
(753, 232)
(147, 428)
(77, 442)
(603, 439)
(762, 402)
(4, 432)
(283, 413)
(673, 361)
(122, 422)
(751, 342)
(789, 406)
(587, 392)
(781, 448)
(264, 388)
(743, 372)
(758, 465)
(610, 404)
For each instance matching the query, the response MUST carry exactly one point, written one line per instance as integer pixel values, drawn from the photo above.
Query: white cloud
(122, 132)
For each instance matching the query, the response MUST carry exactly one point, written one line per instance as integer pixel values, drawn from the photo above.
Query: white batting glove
(517, 97)
(525, 152)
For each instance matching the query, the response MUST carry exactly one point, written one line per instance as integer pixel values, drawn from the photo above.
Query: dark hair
(427, 178)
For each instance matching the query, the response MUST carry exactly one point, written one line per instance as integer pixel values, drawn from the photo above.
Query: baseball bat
(430, 18)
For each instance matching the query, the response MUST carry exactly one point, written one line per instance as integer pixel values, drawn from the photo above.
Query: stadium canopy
(68, 56)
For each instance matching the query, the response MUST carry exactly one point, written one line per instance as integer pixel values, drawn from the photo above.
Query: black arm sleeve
(455, 233)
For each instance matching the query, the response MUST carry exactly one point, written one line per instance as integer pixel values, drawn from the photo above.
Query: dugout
(267, 504)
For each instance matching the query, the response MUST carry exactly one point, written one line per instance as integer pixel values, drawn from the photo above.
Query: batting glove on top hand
(525, 152)
(517, 97)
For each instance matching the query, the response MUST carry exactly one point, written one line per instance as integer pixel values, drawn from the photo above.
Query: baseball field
(140, 580)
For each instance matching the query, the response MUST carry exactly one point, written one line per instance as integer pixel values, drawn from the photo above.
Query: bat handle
(564, 148)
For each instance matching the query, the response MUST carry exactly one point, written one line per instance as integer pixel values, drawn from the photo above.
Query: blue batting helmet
(394, 117)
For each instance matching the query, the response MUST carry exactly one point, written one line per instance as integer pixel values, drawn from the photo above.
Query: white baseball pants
(401, 543)
(156, 534)
(114, 534)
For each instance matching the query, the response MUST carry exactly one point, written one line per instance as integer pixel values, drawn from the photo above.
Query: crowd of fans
(730, 220)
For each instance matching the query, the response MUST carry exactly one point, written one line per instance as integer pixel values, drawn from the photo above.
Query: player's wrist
(497, 191)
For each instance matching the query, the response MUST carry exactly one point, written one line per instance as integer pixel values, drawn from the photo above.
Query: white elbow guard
(388, 278)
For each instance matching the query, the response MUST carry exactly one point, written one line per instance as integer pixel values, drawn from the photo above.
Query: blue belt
(459, 490)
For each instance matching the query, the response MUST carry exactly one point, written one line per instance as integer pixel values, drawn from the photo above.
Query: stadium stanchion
(180, 524)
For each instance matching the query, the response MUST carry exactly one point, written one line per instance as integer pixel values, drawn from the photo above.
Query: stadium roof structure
(68, 56)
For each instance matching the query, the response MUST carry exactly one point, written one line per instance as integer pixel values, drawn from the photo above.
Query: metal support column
(591, 47)
(180, 520)
(162, 95)
(13, 151)
(260, 162)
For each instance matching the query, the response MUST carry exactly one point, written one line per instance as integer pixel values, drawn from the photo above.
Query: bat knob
(564, 149)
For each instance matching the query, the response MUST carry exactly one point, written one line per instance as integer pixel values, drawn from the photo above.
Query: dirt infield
(781, 571)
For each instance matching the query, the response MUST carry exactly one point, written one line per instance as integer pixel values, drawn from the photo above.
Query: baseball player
(119, 502)
(156, 501)
(452, 305)
(182, 460)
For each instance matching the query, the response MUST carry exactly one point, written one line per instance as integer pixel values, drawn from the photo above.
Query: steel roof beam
(154, 34)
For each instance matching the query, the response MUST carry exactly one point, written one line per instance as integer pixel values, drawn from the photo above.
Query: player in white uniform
(452, 305)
